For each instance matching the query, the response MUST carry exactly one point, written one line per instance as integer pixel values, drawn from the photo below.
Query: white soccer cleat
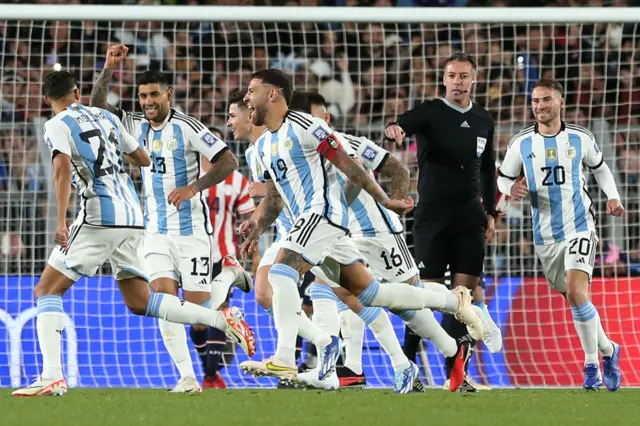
(271, 367)
(187, 385)
(42, 387)
(310, 379)
(239, 330)
(466, 314)
(243, 279)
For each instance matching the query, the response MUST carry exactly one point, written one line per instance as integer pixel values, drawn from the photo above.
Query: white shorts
(388, 257)
(91, 246)
(182, 258)
(578, 251)
(314, 238)
(269, 255)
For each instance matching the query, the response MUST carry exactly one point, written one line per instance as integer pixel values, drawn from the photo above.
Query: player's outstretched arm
(407, 124)
(263, 216)
(399, 175)
(62, 177)
(115, 54)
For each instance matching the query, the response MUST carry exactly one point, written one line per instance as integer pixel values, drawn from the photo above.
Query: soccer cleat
(42, 387)
(592, 377)
(309, 379)
(243, 279)
(455, 365)
(467, 387)
(466, 315)
(271, 367)
(328, 358)
(612, 376)
(239, 330)
(349, 379)
(418, 386)
(478, 386)
(403, 382)
(187, 385)
(214, 382)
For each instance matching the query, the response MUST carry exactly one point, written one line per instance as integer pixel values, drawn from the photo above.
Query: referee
(457, 171)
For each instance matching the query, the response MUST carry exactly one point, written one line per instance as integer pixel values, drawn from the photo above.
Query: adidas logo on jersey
(400, 272)
(581, 260)
(421, 265)
(532, 155)
(203, 282)
(465, 124)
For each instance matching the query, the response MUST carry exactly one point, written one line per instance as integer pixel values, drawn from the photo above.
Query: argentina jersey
(368, 217)
(284, 221)
(175, 148)
(553, 168)
(307, 181)
(95, 140)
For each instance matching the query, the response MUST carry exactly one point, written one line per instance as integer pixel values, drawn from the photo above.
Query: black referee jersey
(455, 154)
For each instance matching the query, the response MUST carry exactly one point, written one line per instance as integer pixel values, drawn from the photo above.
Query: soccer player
(86, 148)
(177, 243)
(378, 234)
(553, 154)
(295, 154)
(456, 162)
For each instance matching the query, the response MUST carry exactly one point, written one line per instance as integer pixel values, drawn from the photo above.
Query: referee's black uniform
(457, 168)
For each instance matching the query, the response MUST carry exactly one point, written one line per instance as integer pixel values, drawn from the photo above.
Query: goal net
(368, 73)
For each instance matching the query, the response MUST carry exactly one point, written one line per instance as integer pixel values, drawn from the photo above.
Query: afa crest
(288, 144)
(552, 154)
(172, 144)
(571, 153)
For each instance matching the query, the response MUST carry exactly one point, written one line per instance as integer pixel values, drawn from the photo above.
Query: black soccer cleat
(467, 387)
(349, 379)
(418, 386)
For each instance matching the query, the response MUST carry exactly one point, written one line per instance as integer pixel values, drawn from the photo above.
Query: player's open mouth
(150, 109)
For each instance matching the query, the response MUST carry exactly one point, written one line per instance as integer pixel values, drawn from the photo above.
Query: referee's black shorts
(449, 237)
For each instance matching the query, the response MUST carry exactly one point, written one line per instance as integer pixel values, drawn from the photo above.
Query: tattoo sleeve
(399, 175)
(218, 172)
(101, 90)
(271, 206)
(359, 176)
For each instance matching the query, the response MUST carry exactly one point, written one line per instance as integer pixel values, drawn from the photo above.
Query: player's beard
(258, 115)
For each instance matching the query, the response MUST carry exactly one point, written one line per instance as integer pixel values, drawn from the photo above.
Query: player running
(294, 154)
(177, 244)
(553, 153)
(86, 147)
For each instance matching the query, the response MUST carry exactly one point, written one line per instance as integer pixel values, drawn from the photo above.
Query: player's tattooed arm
(272, 205)
(399, 176)
(100, 91)
(220, 169)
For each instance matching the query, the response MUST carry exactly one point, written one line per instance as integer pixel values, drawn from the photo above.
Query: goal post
(371, 64)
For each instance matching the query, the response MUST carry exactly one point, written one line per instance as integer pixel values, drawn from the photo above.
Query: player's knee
(577, 297)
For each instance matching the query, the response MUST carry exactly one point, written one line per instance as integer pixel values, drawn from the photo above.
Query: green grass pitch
(115, 407)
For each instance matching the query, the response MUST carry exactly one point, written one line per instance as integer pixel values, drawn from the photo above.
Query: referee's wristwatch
(493, 213)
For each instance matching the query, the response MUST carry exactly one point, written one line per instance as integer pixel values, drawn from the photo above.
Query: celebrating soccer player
(177, 243)
(553, 154)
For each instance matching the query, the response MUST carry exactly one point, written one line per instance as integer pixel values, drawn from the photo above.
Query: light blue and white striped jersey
(556, 182)
(284, 221)
(307, 181)
(367, 217)
(95, 140)
(175, 147)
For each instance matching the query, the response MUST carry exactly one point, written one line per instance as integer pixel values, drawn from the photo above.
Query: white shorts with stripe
(91, 246)
(578, 251)
(314, 238)
(388, 257)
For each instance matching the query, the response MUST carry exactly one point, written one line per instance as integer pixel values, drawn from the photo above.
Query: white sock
(286, 309)
(220, 287)
(425, 325)
(433, 286)
(604, 343)
(352, 329)
(399, 296)
(311, 332)
(49, 324)
(325, 316)
(385, 334)
(585, 318)
(174, 336)
(170, 308)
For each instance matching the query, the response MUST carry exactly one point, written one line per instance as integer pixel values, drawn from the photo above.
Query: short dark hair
(278, 79)
(549, 84)
(461, 57)
(316, 99)
(58, 84)
(152, 77)
(300, 103)
(237, 97)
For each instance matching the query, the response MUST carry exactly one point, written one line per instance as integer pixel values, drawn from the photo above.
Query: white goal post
(370, 64)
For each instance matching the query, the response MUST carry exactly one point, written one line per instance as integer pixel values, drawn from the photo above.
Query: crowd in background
(369, 73)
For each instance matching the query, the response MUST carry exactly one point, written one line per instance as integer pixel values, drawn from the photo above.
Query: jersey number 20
(553, 176)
